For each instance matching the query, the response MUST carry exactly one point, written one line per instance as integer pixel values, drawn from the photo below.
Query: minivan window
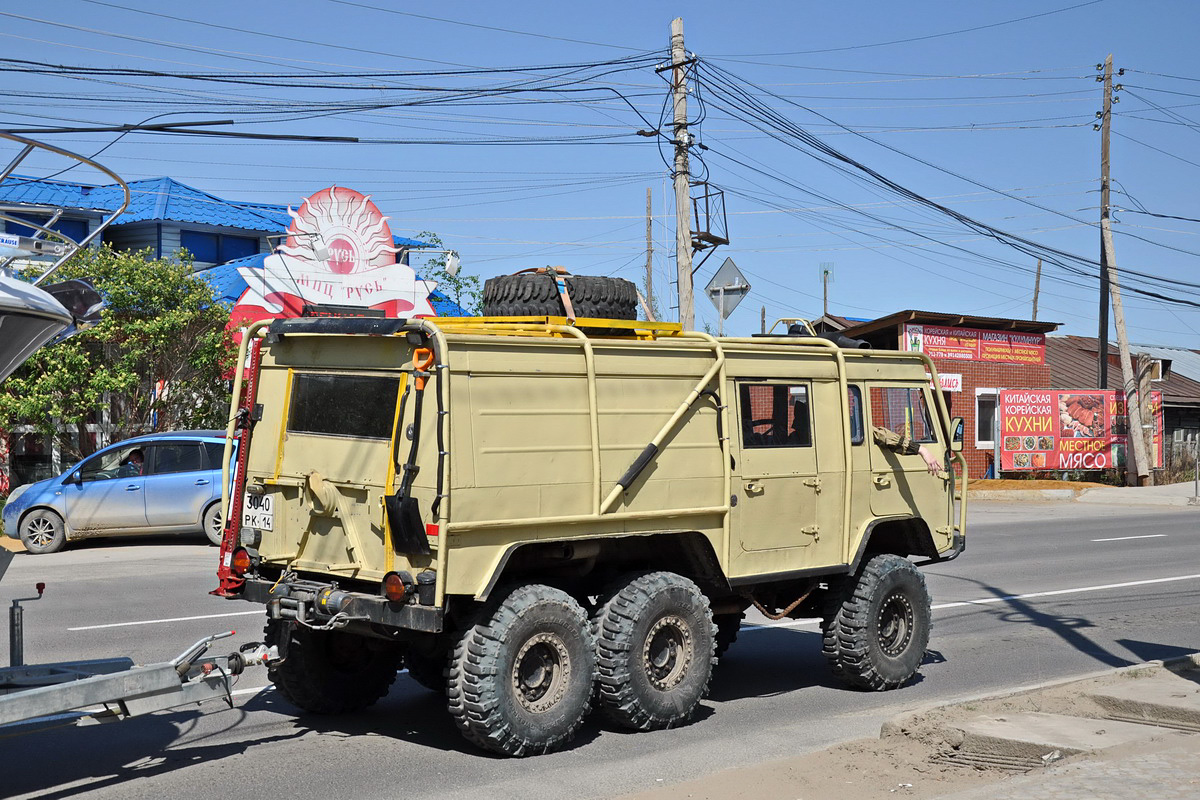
(362, 406)
(172, 457)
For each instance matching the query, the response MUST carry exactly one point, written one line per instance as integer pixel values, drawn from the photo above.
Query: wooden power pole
(1137, 469)
(683, 201)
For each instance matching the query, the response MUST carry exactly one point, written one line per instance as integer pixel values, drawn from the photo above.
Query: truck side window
(856, 414)
(775, 415)
(903, 410)
(343, 405)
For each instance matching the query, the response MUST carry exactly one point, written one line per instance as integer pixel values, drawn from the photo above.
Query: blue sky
(908, 90)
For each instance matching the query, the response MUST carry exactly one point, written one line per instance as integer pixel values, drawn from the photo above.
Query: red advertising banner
(971, 344)
(1068, 429)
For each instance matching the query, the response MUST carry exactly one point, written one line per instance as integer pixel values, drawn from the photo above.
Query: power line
(919, 38)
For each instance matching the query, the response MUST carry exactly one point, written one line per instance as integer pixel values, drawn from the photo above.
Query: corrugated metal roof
(1072, 362)
(1183, 361)
(156, 199)
(951, 320)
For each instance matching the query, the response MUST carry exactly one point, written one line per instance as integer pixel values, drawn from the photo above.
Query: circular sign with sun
(342, 230)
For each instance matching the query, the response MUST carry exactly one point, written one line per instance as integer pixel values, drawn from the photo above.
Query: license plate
(258, 511)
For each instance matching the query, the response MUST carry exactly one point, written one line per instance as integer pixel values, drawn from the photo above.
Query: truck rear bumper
(299, 600)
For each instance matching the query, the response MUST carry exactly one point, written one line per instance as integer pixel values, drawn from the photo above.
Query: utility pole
(1037, 284)
(762, 320)
(1137, 470)
(683, 202)
(826, 274)
(649, 253)
(1105, 120)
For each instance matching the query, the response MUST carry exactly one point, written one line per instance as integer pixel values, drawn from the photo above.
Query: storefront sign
(1076, 429)
(339, 251)
(950, 382)
(971, 344)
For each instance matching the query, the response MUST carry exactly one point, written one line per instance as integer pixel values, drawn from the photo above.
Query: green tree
(464, 289)
(162, 328)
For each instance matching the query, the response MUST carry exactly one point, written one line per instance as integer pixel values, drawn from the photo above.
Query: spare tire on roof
(535, 295)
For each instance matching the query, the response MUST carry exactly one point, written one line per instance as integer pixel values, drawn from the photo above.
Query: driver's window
(124, 462)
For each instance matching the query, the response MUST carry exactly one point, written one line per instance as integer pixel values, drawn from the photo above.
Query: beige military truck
(538, 518)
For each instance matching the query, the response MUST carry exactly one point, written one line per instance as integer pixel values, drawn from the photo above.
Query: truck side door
(900, 483)
(780, 494)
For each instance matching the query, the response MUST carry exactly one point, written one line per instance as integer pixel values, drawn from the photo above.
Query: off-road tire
(877, 628)
(211, 522)
(42, 531)
(655, 644)
(520, 677)
(329, 672)
(428, 669)
(530, 295)
(728, 626)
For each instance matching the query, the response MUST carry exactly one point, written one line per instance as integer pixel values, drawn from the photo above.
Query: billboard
(972, 344)
(1068, 429)
(339, 251)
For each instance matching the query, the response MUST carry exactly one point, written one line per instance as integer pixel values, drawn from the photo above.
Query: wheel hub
(541, 672)
(896, 622)
(668, 652)
(40, 531)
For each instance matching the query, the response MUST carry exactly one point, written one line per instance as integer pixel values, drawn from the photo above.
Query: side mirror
(956, 438)
(76, 478)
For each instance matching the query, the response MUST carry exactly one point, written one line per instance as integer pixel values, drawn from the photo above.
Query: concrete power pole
(683, 202)
(649, 255)
(1037, 285)
(1137, 470)
(1105, 118)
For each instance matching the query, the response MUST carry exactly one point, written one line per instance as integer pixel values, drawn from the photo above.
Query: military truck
(538, 516)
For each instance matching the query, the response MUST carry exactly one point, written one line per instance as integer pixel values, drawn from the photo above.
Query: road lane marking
(1003, 599)
(1124, 538)
(173, 619)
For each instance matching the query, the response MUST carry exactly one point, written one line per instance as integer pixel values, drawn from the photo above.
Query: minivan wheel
(213, 527)
(43, 531)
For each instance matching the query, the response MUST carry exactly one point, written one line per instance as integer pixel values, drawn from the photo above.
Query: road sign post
(726, 289)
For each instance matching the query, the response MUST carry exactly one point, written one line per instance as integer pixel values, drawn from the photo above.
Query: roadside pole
(683, 217)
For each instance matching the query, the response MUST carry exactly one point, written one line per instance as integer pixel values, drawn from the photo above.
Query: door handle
(202, 482)
(883, 481)
(133, 487)
(754, 487)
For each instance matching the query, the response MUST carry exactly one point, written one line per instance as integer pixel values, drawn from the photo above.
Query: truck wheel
(877, 632)
(655, 643)
(43, 531)
(520, 677)
(533, 295)
(427, 669)
(329, 672)
(728, 626)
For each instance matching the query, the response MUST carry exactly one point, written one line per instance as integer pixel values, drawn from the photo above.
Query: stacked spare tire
(537, 295)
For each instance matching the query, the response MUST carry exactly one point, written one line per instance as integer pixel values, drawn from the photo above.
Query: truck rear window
(343, 405)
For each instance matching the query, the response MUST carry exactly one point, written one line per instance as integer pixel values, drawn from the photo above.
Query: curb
(1022, 495)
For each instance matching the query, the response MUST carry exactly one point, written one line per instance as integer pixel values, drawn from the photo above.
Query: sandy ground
(914, 757)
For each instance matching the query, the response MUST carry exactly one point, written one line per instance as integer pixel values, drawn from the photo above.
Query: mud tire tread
(532, 294)
(624, 694)
(850, 639)
(308, 680)
(478, 679)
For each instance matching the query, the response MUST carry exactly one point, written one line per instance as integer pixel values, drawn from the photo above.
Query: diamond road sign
(727, 288)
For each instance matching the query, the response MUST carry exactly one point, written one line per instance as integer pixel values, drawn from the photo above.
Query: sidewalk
(1175, 494)
(1127, 733)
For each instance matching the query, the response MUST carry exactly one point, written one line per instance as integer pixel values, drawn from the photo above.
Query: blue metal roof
(154, 200)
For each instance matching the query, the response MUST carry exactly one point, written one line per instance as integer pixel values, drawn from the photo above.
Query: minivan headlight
(17, 492)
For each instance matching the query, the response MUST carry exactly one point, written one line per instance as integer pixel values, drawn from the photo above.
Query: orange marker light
(241, 561)
(393, 587)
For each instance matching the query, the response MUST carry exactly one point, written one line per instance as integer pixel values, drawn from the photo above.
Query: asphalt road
(1044, 591)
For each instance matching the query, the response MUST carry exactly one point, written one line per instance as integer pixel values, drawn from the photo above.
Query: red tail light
(241, 561)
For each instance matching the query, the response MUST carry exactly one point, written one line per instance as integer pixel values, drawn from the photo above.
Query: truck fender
(901, 535)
